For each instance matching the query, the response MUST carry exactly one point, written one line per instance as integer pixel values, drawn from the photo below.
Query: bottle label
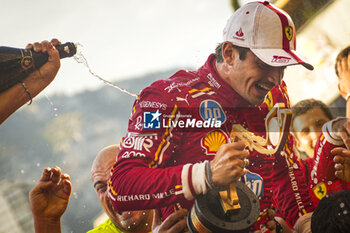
(27, 59)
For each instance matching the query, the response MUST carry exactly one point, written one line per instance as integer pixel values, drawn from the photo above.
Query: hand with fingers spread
(49, 200)
(342, 163)
(229, 163)
(175, 223)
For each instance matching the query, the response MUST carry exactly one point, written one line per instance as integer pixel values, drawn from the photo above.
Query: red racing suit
(322, 177)
(177, 125)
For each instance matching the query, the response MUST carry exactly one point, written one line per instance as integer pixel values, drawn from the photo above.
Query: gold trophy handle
(229, 199)
(277, 123)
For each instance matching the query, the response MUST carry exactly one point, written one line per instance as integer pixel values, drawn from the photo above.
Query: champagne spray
(16, 64)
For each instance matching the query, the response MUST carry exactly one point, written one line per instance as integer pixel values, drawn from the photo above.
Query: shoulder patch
(210, 109)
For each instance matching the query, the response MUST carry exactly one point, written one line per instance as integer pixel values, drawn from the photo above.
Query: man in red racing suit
(322, 178)
(155, 169)
(180, 124)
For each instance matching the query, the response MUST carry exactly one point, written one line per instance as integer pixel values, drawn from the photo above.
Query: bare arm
(15, 97)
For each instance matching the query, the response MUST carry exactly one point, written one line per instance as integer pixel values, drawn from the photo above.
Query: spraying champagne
(16, 64)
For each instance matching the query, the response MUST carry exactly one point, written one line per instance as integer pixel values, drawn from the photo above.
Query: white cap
(267, 31)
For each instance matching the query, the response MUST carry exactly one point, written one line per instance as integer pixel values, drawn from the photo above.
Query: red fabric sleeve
(322, 178)
(139, 179)
(323, 161)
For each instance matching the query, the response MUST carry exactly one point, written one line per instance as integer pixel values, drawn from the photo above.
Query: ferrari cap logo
(289, 32)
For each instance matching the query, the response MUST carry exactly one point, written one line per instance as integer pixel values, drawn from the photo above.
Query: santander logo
(239, 34)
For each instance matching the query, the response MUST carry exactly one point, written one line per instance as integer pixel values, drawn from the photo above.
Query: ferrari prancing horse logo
(289, 32)
(320, 190)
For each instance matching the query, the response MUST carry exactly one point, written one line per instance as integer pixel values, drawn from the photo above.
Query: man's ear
(228, 53)
(297, 143)
(342, 93)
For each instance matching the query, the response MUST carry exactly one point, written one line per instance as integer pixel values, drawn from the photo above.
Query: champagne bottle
(16, 64)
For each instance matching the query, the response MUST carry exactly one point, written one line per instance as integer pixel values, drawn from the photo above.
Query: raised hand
(342, 163)
(49, 199)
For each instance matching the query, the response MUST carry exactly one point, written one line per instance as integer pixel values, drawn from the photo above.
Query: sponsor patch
(152, 104)
(320, 190)
(239, 33)
(213, 140)
(210, 109)
(133, 154)
(138, 124)
(212, 81)
(151, 120)
(269, 100)
(138, 143)
(174, 85)
(255, 182)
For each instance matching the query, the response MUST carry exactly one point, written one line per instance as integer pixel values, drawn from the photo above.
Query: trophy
(236, 208)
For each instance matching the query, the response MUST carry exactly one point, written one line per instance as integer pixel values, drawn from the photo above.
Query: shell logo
(212, 141)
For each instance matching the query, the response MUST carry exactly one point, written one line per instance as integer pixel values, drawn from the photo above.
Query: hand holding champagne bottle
(34, 81)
